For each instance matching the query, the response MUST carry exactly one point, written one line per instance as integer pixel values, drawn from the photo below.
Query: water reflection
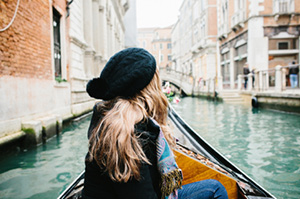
(44, 171)
(263, 143)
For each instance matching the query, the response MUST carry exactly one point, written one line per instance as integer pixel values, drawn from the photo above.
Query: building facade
(263, 33)
(34, 64)
(130, 22)
(145, 37)
(162, 47)
(158, 42)
(48, 52)
(97, 31)
(194, 39)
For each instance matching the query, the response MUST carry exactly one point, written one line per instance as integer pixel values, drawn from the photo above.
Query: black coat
(97, 183)
(246, 71)
(294, 70)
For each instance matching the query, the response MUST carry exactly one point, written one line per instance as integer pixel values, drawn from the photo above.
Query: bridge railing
(206, 85)
(183, 80)
(269, 79)
(200, 85)
(179, 75)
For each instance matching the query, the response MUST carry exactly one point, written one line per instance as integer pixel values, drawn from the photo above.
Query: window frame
(280, 42)
(57, 44)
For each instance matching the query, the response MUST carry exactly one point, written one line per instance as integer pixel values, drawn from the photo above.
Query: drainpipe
(68, 7)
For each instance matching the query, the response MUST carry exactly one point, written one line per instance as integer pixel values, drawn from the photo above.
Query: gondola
(198, 160)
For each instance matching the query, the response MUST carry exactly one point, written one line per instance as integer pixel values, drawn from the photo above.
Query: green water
(44, 171)
(265, 144)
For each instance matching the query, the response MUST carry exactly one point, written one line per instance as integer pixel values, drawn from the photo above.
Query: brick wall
(27, 87)
(163, 41)
(25, 48)
(212, 28)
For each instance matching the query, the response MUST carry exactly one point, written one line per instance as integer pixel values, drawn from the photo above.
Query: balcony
(237, 19)
(222, 31)
(198, 46)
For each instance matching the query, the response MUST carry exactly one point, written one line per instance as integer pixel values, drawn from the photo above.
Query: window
(144, 44)
(169, 58)
(169, 45)
(283, 45)
(225, 71)
(161, 58)
(154, 46)
(202, 27)
(203, 5)
(241, 50)
(283, 6)
(156, 35)
(57, 43)
(238, 5)
(225, 56)
(161, 46)
(196, 12)
(224, 18)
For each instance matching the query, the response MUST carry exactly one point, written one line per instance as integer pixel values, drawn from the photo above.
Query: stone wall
(282, 102)
(29, 93)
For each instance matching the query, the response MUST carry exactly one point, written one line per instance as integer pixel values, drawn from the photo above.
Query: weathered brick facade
(29, 93)
(47, 56)
(25, 49)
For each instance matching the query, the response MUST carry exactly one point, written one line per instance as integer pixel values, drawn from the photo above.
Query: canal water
(264, 144)
(45, 171)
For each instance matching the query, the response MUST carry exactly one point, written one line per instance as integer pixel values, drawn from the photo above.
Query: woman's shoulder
(96, 117)
(98, 106)
(99, 109)
(147, 129)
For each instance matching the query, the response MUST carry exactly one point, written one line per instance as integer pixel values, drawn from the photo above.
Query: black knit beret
(124, 75)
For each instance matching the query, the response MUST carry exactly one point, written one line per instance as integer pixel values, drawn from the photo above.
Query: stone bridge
(183, 82)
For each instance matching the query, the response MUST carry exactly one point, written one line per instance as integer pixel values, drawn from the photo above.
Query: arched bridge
(183, 82)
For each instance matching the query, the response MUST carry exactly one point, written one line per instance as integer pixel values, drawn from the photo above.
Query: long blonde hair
(113, 143)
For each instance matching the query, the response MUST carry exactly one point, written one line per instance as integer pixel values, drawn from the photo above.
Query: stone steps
(232, 97)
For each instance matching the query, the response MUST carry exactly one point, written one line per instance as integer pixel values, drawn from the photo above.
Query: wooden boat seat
(194, 170)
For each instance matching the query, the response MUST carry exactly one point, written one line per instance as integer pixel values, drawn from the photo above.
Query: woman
(129, 140)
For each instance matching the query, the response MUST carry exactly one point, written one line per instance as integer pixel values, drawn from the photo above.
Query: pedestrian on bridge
(293, 72)
(246, 71)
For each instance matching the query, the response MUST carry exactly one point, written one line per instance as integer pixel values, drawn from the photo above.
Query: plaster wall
(77, 61)
(131, 25)
(257, 44)
(211, 65)
(76, 20)
(23, 99)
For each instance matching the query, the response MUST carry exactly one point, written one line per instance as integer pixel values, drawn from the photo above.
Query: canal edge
(36, 131)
